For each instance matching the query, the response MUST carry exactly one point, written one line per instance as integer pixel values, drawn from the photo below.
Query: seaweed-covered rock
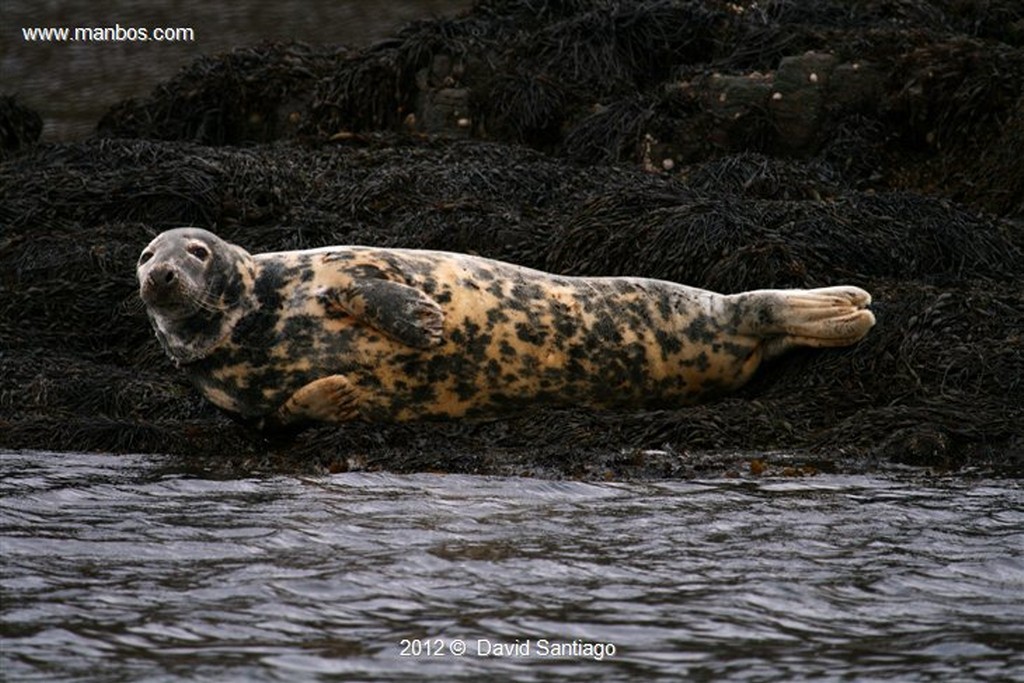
(918, 95)
(80, 368)
(19, 125)
(253, 94)
(727, 145)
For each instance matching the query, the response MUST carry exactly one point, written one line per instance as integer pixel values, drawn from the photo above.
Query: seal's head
(196, 287)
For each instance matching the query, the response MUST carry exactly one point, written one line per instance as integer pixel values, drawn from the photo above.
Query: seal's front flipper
(328, 399)
(401, 312)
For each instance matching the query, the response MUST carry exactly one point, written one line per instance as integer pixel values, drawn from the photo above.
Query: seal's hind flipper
(785, 318)
(328, 399)
(403, 313)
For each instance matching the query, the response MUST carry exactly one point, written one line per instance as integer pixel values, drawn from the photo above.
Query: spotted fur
(344, 333)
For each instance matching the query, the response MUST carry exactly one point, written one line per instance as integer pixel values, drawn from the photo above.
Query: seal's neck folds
(192, 338)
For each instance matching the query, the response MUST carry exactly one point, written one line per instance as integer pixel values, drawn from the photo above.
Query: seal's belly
(512, 338)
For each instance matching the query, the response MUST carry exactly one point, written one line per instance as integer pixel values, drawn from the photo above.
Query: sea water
(120, 568)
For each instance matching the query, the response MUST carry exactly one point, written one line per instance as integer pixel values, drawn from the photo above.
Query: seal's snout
(162, 275)
(161, 283)
(167, 277)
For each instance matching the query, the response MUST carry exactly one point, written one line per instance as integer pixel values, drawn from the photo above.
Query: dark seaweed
(580, 137)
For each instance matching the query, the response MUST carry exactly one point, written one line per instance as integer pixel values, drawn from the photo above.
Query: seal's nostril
(169, 277)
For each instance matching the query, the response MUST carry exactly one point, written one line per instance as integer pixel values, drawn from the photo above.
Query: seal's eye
(146, 255)
(198, 250)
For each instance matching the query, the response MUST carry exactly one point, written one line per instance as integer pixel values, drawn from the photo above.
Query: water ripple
(120, 568)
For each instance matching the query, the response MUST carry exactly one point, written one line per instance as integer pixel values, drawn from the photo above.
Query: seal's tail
(830, 316)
